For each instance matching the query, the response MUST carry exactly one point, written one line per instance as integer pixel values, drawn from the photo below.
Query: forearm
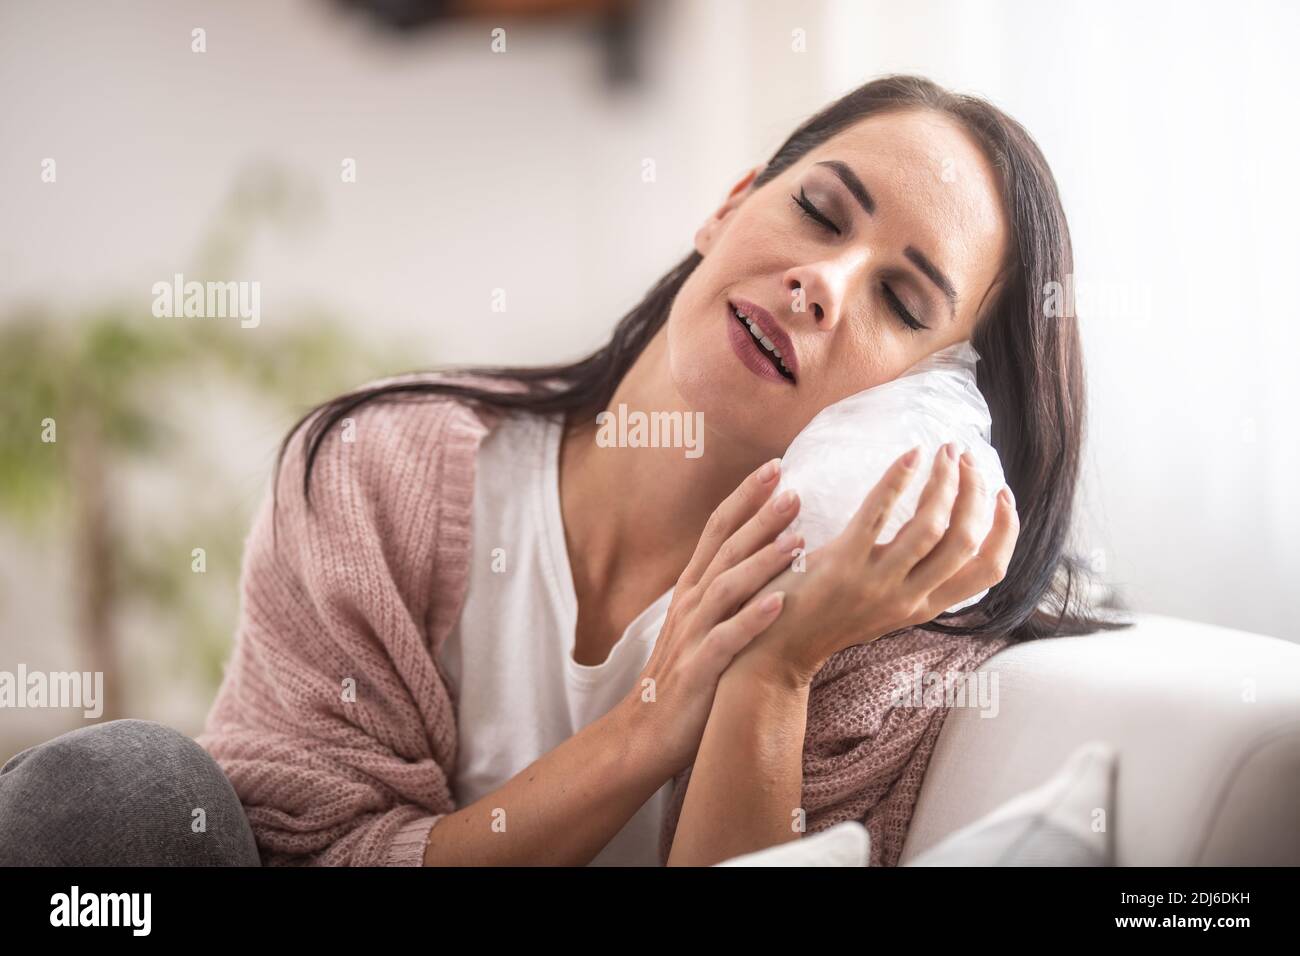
(564, 807)
(747, 781)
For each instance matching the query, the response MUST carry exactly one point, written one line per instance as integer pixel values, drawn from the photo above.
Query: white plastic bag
(845, 450)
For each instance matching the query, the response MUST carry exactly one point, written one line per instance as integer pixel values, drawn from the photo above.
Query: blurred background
(386, 169)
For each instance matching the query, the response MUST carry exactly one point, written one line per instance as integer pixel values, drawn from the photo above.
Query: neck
(641, 510)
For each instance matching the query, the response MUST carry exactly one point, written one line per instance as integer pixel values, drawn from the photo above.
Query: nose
(822, 288)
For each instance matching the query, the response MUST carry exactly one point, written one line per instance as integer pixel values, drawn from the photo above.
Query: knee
(126, 792)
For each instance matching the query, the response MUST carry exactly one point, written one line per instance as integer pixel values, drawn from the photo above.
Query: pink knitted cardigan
(333, 721)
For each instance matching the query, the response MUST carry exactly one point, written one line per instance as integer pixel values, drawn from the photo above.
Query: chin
(698, 383)
(707, 383)
(710, 379)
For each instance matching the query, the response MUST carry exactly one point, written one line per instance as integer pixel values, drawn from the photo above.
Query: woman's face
(871, 252)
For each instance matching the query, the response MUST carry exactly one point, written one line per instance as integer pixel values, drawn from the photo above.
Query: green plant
(92, 395)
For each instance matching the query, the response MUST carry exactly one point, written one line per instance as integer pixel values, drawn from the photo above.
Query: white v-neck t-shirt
(509, 661)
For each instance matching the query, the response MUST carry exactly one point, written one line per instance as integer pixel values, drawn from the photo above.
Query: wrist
(636, 728)
(770, 669)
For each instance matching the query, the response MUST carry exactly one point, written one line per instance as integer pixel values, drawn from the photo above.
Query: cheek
(688, 321)
(685, 344)
(763, 239)
(862, 356)
(871, 355)
(697, 347)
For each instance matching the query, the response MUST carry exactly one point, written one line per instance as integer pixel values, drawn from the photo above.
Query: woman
(471, 634)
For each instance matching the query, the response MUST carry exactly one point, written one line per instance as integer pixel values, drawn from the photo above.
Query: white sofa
(1206, 774)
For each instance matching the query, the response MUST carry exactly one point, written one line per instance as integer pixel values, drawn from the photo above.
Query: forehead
(932, 184)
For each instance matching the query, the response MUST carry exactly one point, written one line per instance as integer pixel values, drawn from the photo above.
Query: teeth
(763, 340)
(766, 342)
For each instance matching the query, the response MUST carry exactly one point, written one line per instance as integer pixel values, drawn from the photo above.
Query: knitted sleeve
(332, 721)
(873, 728)
(869, 740)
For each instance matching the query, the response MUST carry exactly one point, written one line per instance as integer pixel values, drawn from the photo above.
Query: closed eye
(901, 310)
(812, 212)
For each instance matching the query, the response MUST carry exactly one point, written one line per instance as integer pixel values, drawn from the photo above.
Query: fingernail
(968, 458)
(770, 470)
(772, 601)
(787, 541)
(784, 501)
(951, 449)
(910, 458)
(1007, 496)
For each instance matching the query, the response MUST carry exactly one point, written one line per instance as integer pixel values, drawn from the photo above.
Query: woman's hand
(706, 625)
(854, 590)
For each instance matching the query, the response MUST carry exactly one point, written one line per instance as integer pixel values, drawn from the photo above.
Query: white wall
(1171, 129)
(475, 171)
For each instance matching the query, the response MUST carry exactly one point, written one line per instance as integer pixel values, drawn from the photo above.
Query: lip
(764, 320)
(750, 352)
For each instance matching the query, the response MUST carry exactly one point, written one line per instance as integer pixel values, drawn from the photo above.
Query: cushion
(1064, 822)
(845, 844)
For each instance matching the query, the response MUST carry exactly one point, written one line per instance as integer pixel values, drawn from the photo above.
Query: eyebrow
(859, 192)
(932, 273)
(852, 184)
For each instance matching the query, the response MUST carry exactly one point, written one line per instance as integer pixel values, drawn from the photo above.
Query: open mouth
(765, 345)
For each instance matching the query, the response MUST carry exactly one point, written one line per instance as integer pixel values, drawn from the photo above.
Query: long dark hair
(1031, 373)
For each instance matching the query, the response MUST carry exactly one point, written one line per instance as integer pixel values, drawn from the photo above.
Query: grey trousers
(122, 793)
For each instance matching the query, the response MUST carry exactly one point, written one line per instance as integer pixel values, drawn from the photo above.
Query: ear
(707, 234)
